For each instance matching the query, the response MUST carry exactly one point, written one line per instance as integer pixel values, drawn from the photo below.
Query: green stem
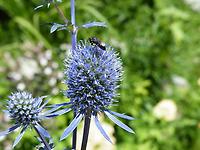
(61, 14)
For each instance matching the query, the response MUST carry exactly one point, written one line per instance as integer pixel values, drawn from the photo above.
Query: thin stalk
(61, 14)
(43, 139)
(73, 22)
(73, 41)
(86, 129)
(74, 136)
(73, 12)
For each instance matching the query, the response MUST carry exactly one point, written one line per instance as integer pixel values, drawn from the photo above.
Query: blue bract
(27, 111)
(93, 76)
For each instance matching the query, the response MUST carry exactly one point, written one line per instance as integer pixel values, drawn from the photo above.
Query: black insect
(96, 42)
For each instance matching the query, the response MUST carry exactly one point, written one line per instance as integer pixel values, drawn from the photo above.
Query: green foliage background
(157, 39)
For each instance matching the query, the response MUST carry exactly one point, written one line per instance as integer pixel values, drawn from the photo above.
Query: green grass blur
(159, 43)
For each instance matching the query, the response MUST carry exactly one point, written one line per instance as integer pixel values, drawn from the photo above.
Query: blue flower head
(27, 111)
(93, 75)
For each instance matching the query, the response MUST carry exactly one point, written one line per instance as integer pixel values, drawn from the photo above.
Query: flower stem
(73, 41)
(86, 129)
(73, 12)
(74, 136)
(73, 22)
(43, 139)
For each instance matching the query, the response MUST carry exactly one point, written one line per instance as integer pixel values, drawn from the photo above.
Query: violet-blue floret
(27, 111)
(92, 77)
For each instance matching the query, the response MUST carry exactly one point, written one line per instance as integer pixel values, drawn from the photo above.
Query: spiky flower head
(27, 111)
(93, 74)
(23, 108)
(92, 78)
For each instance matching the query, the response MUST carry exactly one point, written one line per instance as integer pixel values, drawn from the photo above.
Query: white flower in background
(45, 57)
(48, 54)
(21, 86)
(55, 65)
(65, 47)
(43, 61)
(194, 4)
(48, 70)
(180, 81)
(15, 75)
(28, 67)
(166, 109)
(52, 81)
(60, 75)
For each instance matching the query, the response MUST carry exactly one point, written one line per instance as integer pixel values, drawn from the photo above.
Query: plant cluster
(93, 72)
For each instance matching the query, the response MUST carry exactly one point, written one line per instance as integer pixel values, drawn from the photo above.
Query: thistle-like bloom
(93, 75)
(26, 111)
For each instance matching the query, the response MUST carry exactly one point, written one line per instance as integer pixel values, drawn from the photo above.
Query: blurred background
(159, 43)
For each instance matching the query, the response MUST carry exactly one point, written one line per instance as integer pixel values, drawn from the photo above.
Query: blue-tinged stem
(73, 12)
(46, 144)
(73, 41)
(86, 129)
(73, 22)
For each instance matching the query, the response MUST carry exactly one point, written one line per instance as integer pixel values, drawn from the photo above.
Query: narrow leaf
(38, 101)
(61, 28)
(42, 131)
(71, 127)
(118, 122)
(57, 105)
(94, 24)
(44, 104)
(9, 130)
(53, 28)
(19, 137)
(101, 129)
(56, 26)
(38, 7)
(60, 112)
(121, 115)
(51, 110)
